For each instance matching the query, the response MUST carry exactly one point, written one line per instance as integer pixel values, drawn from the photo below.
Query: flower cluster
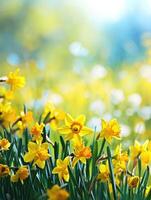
(76, 163)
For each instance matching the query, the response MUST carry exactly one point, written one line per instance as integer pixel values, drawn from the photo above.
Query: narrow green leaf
(112, 173)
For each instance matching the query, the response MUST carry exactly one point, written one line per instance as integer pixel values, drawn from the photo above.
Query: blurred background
(89, 56)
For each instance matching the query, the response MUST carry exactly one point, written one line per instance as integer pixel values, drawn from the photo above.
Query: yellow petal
(104, 123)
(85, 131)
(32, 146)
(83, 160)
(40, 164)
(66, 160)
(81, 119)
(64, 130)
(66, 177)
(56, 170)
(144, 146)
(59, 162)
(14, 178)
(45, 145)
(68, 120)
(74, 162)
(69, 136)
(28, 157)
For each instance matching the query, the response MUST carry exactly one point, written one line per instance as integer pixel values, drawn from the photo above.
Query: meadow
(48, 154)
(75, 100)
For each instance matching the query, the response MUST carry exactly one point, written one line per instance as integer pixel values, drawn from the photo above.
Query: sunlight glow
(105, 10)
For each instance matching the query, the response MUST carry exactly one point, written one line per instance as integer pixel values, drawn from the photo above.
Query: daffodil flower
(15, 80)
(62, 169)
(36, 131)
(4, 144)
(21, 174)
(138, 148)
(57, 193)
(74, 127)
(81, 152)
(110, 130)
(120, 160)
(104, 173)
(4, 170)
(133, 181)
(38, 153)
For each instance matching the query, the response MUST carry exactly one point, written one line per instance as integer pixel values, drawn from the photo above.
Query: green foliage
(83, 183)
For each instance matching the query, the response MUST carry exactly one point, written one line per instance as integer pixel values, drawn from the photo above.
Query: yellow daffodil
(23, 121)
(15, 80)
(145, 157)
(57, 193)
(104, 173)
(74, 127)
(81, 152)
(4, 144)
(110, 130)
(38, 153)
(26, 117)
(7, 114)
(120, 160)
(36, 131)
(4, 170)
(62, 169)
(138, 148)
(133, 181)
(56, 115)
(21, 174)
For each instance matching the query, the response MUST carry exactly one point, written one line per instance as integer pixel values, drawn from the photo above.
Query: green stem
(102, 147)
(112, 173)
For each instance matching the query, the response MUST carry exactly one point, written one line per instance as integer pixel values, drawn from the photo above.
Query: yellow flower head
(24, 120)
(21, 174)
(56, 115)
(62, 169)
(145, 157)
(81, 152)
(133, 181)
(74, 127)
(57, 193)
(103, 172)
(26, 117)
(110, 130)
(4, 144)
(37, 153)
(7, 114)
(120, 160)
(4, 170)
(15, 80)
(36, 131)
(138, 148)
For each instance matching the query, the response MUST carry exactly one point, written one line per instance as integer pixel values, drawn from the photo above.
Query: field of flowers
(51, 154)
(75, 100)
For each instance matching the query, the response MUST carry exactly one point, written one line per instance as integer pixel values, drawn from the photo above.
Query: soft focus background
(89, 56)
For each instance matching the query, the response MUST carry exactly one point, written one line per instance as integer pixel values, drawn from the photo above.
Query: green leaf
(74, 180)
(46, 119)
(112, 173)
